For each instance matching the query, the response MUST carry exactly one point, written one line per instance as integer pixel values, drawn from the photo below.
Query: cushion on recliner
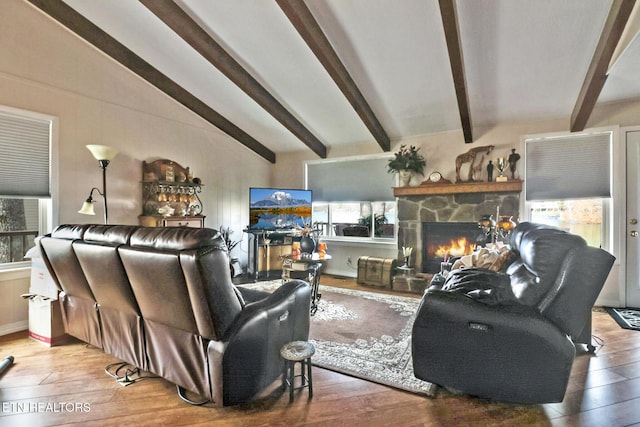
(69, 231)
(177, 238)
(542, 250)
(110, 234)
(523, 282)
(516, 235)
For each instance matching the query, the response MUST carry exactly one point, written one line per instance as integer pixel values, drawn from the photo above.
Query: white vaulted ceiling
(522, 60)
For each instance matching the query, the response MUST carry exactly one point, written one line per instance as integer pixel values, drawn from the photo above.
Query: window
(583, 217)
(19, 219)
(353, 197)
(25, 183)
(568, 183)
(356, 219)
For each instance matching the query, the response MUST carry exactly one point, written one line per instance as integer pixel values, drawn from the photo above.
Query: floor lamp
(104, 154)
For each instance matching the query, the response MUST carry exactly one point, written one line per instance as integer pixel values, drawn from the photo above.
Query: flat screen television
(278, 208)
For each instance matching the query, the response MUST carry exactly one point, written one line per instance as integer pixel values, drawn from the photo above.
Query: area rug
(627, 318)
(364, 334)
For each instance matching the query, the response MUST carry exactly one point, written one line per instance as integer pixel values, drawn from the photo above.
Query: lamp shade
(102, 152)
(87, 208)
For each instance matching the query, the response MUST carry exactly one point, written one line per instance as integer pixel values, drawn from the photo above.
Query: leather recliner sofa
(510, 336)
(162, 299)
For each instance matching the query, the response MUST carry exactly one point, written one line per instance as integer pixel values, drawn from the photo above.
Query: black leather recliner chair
(511, 336)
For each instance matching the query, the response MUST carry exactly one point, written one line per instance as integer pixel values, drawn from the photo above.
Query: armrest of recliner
(251, 358)
(508, 352)
(459, 311)
(460, 308)
(289, 301)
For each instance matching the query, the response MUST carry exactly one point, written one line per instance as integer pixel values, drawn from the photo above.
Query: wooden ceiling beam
(192, 33)
(85, 29)
(306, 25)
(597, 72)
(452, 35)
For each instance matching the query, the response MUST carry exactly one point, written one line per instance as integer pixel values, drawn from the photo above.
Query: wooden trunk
(376, 271)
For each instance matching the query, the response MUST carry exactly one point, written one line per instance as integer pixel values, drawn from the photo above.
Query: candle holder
(406, 253)
(497, 230)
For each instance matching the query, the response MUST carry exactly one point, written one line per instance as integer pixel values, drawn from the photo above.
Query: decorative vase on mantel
(405, 176)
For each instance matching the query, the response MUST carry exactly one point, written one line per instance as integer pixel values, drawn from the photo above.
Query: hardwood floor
(67, 385)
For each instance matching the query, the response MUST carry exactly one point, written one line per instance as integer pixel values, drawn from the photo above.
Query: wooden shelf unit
(167, 184)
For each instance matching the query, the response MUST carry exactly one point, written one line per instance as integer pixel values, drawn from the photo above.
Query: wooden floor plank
(604, 389)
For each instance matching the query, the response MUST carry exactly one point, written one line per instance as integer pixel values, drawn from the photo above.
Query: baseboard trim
(14, 327)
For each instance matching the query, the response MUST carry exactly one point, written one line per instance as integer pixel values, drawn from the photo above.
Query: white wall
(14, 310)
(46, 69)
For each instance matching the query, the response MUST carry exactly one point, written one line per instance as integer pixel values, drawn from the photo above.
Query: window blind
(24, 156)
(568, 167)
(343, 180)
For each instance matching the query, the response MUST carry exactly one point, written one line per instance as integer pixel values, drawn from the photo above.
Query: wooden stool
(297, 351)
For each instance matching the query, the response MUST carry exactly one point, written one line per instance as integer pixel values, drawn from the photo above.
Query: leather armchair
(511, 336)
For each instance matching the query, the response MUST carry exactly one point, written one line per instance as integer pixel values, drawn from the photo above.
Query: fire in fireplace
(443, 240)
(456, 247)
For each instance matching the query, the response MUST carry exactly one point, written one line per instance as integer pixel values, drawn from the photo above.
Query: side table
(310, 265)
(297, 351)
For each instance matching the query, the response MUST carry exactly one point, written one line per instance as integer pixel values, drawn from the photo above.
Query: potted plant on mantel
(407, 162)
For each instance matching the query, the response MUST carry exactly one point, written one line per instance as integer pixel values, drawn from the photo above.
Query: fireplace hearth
(444, 240)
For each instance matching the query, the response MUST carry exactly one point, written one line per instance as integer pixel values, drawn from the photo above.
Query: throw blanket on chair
(489, 287)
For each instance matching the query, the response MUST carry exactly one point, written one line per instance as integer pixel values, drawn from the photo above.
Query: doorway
(632, 229)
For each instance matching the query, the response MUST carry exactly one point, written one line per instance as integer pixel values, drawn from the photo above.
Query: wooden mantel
(510, 186)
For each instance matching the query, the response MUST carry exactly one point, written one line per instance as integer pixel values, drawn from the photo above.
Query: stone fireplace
(459, 204)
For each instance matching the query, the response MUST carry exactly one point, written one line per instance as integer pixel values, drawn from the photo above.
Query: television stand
(266, 249)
